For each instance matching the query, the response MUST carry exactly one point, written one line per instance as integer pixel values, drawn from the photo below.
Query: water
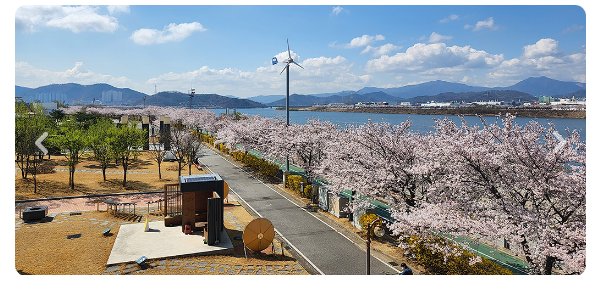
(421, 123)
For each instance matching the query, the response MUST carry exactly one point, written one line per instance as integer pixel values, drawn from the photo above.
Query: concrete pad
(132, 242)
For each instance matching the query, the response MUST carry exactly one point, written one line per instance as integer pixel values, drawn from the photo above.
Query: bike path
(328, 251)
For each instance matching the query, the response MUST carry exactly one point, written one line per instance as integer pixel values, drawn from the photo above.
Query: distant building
(50, 97)
(112, 97)
(48, 107)
(490, 103)
(435, 104)
(546, 99)
(405, 103)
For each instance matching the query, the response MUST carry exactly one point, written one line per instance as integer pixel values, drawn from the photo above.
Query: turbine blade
(298, 65)
(289, 48)
(287, 66)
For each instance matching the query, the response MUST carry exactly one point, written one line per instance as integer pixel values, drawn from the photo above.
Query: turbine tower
(288, 61)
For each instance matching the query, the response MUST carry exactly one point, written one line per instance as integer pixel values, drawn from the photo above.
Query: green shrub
(455, 265)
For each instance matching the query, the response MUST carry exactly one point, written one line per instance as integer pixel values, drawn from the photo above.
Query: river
(421, 123)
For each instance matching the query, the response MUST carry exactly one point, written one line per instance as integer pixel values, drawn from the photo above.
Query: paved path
(328, 251)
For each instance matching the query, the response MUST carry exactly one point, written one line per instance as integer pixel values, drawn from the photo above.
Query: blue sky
(228, 49)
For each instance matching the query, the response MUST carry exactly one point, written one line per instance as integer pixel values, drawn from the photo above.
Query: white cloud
(361, 41)
(172, 32)
(434, 38)
(543, 47)
(422, 57)
(544, 58)
(452, 17)
(572, 29)
(30, 76)
(485, 24)
(381, 50)
(115, 9)
(337, 10)
(74, 18)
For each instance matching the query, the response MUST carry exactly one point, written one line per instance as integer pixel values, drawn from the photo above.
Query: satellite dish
(258, 234)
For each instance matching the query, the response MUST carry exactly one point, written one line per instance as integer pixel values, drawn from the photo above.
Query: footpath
(325, 248)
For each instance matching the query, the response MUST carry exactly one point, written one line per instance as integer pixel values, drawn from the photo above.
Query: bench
(106, 232)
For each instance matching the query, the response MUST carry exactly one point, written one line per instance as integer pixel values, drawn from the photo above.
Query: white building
(112, 97)
(435, 104)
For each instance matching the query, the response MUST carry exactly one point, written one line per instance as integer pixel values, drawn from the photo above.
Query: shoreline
(537, 113)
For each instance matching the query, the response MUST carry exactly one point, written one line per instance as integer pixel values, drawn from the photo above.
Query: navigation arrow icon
(39, 145)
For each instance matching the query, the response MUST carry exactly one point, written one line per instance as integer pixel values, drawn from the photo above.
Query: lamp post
(379, 232)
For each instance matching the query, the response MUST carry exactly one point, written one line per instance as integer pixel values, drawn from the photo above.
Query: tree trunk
(72, 178)
(104, 172)
(159, 171)
(125, 172)
(550, 260)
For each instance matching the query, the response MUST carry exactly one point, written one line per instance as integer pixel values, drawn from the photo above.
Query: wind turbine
(288, 61)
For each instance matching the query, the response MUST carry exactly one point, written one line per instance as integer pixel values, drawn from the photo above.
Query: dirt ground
(55, 184)
(43, 249)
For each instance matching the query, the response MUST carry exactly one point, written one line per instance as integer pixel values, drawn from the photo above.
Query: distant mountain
(424, 89)
(577, 94)
(76, 92)
(309, 100)
(199, 100)
(468, 97)
(267, 99)
(19, 89)
(543, 86)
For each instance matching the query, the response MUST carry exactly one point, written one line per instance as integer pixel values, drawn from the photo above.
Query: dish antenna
(258, 234)
(288, 61)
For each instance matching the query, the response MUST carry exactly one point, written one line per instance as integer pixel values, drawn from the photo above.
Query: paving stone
(230, 271)
(260, 272)
(242, 271)
(297, 266)
(249, 266)
(130, 270)
(202, 269)
(189, 267)
(162, 262)
(214, 264)
(160, 267)
(220, 269)
(238, 266)
(271, 271)
(268, 267)
(278, 266)
(203, 263)
(288, 267)
(297, 271)
(130, 265)
(212, 270)
(282, 272)
(112, 268)
(226, 265)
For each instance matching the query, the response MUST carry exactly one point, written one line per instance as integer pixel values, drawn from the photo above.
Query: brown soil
(44, 249)
(55, 184)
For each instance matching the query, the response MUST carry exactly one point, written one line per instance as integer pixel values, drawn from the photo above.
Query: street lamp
(379, 232)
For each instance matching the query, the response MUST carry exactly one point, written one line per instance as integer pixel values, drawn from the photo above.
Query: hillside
(543, 86)
(468, 97)
(81, 92)
(199, 100)
(424, 89)
(309, 100)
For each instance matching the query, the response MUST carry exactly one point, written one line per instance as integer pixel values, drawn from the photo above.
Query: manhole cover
(75, 213)
(75, 236)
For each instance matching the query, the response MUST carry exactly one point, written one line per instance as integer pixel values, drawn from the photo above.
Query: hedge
(294, 182)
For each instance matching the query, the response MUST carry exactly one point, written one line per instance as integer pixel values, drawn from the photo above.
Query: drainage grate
(75, 213)
(75, 236)
(238, 238)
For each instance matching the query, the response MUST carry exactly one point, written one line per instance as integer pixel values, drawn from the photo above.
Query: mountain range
(428, 91)
(199, 100)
